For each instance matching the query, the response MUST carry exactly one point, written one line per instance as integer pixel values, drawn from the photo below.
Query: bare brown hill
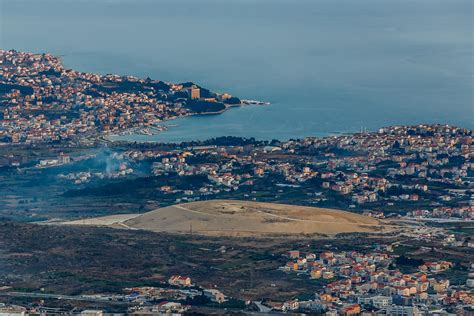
(245, 218)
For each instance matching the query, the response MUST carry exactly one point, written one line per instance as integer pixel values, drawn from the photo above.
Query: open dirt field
(244, 218)
(103, 220)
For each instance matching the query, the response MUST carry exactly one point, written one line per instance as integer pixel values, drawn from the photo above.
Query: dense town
(41, 101)
(370, 284)
(402, 166)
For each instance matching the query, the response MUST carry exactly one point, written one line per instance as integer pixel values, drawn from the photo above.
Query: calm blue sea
(327, 66)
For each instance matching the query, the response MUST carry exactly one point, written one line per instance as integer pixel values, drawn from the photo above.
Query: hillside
(244, 218)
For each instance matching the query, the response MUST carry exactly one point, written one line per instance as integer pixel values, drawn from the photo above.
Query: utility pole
(251, 278)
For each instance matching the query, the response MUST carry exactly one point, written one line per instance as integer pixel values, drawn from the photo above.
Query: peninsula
(41, 101)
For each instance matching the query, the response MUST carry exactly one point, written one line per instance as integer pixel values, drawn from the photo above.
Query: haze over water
(327, 66)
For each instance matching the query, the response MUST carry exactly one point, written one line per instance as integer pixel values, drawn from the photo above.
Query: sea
(326, 66)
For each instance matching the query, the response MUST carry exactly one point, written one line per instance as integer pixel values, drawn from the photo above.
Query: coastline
(110, 137)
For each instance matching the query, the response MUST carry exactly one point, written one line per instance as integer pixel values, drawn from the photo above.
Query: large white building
(398, 310)
(378, 301)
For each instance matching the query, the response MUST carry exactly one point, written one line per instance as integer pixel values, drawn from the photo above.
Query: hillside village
(41, 101)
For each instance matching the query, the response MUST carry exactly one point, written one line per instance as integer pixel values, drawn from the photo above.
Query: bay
(326, 66)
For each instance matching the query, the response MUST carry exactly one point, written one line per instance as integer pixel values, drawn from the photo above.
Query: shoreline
(227, 107)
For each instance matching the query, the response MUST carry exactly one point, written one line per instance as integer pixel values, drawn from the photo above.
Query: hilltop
(243, 218)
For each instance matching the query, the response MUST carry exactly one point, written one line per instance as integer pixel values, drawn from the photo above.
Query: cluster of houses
(375, 169)
(406, 158)
(115, 166)
(370, 283)
(446, 212)
(88, 104)
(184, 281)
(167, 300)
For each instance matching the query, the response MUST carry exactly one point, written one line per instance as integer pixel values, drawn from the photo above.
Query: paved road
(59, 297)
